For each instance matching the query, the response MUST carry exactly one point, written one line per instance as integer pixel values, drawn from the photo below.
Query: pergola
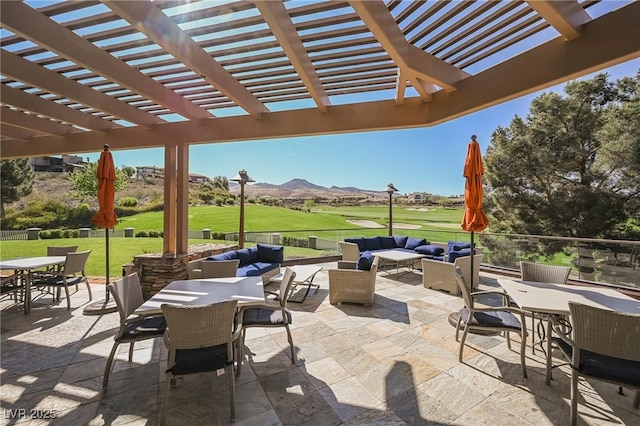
(76, 75)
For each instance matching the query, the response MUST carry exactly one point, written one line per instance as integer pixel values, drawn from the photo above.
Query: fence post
(313, 242)
(83, 232)
(275, 239)
(33, 233)
(128, 232)
(206, 234)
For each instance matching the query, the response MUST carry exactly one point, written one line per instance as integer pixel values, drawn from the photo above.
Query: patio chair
(503, 318)
(348, 284)
(60, 251)
(10, 286)
(541, 273)
(127, 293)
(271, 314)
(200, 339)
(605, 347)
(219, 268)
(71, 273)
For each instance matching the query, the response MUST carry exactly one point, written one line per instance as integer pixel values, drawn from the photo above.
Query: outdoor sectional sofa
(438, 263)
(263, 260)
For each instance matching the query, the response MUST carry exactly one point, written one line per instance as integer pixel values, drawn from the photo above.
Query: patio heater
(390, 190)
(242, 178)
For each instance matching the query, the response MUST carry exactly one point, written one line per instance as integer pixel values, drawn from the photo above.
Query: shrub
(230, 201)
(128, 202)
(142, 234)
(155, 234)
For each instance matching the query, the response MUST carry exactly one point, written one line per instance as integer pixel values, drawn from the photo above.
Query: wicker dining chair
(604, 345)
(219, 268)
(502, 318)
(271, 314)
(127, 293)
(200, 339)
(541, 273)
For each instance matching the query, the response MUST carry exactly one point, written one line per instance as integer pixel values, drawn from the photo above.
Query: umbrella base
(101, 307)
(453, 320)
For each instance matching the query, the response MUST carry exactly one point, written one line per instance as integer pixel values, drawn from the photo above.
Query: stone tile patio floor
(395, 363)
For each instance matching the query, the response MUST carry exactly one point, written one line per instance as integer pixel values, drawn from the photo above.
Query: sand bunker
(371, 224)
(422, 209)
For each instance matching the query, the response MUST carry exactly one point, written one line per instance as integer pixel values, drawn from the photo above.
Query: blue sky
(428, 159)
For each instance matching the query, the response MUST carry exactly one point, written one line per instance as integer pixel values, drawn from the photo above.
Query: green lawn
(289, 222)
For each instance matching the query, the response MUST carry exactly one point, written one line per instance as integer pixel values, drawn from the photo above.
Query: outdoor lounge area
(393, 363)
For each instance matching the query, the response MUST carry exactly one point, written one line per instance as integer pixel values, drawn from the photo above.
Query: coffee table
(400, 258)
(304, 276)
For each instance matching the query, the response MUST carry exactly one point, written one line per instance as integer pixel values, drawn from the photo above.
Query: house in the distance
(154, 172)
(57, 164)
(418, 197)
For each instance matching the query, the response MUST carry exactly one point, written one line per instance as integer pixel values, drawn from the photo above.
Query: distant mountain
(302, 188)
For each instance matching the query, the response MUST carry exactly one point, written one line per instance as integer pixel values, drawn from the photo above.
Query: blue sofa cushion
(270, 254)
(412, 243)
(255, 269)
(401, 241)
(228, 255)
(372, 243)
(388, 243)
(457, 245)
(453, 255)
(430, 250)
(358, 241)
(364, 261)
(248, 255)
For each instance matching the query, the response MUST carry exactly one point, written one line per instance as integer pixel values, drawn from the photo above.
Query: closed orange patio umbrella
(105, 218)
(474, 219)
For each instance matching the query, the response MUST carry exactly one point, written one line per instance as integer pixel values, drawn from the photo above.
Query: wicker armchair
(350, 251)
(605, 346)
(439, 275)
(347, 284)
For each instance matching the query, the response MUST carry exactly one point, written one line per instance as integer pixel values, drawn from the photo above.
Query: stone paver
(395, 363)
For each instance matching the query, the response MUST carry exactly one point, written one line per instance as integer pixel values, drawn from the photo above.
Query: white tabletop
(27, 263)
(397, 255)
(246, 290)
(554, 298)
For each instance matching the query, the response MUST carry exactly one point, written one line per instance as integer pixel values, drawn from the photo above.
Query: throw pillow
(401, 241)
(228, 255)
(365, 261)
(412, 243)
(457, 245)
(388, 243)
(270, 254)
(247, 256)
(429, 249)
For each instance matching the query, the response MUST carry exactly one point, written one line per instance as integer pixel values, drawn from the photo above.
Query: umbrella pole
(106, 240)
(472, 253)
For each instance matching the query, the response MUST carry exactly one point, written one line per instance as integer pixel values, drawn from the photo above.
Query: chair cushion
(265, 316)
(453, 255)
(412, 243)
(143, 328)
(228, 255)
(498, 319)
(270, 254)
(372, 243)
(609, 368)
(457, 245)
(189, 361)
(388, 243)
(255, 269)
(358, 241)
(365, 261)
(429, 249)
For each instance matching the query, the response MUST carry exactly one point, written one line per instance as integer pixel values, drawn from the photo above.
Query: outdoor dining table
(550, 299)
(25, 266)
(204, 291)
